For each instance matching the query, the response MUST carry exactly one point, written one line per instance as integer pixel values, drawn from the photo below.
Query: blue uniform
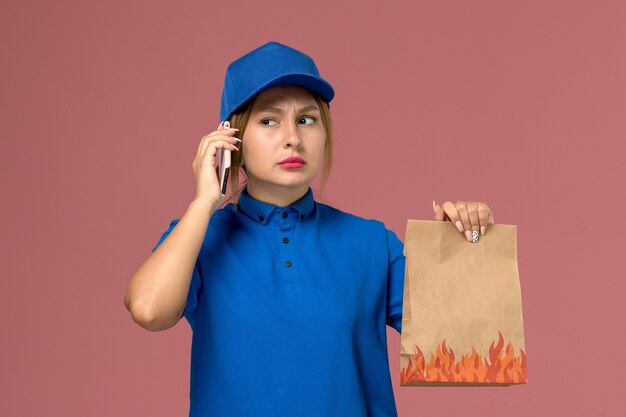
(288, 308)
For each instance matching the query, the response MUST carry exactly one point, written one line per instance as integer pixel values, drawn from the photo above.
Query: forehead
(284, 95)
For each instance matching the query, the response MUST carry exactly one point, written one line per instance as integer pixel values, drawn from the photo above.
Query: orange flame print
(503, 368)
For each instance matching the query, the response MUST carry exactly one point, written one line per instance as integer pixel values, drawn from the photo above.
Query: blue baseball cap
(270, 65)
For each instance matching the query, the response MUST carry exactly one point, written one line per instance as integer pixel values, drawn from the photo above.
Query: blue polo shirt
(288, 308)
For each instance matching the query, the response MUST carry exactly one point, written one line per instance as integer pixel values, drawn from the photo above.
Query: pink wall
(517, 104)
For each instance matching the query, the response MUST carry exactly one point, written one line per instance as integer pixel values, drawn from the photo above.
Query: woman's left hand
(469, 216)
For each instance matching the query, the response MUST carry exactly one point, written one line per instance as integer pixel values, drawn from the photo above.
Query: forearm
(157, 293)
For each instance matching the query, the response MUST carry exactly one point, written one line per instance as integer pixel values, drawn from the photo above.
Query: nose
(292, 137)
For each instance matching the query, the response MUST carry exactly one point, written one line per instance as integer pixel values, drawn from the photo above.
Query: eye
(267, 120)
(313, 119)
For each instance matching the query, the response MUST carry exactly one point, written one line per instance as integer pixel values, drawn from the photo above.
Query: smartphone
(223, 163)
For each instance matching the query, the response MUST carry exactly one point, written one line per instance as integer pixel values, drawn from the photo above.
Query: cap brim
(315, 84)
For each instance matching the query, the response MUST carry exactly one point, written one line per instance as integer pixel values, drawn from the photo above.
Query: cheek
(320, 146)
(254, 152)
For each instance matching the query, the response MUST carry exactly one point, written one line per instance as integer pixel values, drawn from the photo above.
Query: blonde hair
(239, 120)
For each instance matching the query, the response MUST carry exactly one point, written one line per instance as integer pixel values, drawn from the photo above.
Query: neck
(278, 196)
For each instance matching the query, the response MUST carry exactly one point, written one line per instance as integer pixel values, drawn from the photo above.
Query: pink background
(520, 104)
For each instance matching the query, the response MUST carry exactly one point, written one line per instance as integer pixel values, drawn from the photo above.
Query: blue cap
(270, 65)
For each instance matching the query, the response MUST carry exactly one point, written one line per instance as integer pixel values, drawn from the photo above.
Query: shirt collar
(261, 211)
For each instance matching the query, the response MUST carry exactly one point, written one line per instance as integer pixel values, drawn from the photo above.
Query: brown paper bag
(462, 308)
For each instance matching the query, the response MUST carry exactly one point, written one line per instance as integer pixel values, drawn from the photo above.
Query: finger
(207, 138)
(200, 151)
(442, 214)
(483, 215)
(214, 145)
(209, 158)
(452, 213)
(474, 218)
(224, 134)
(222, 129)
(225, 125)
(439, 214)
(461, 207)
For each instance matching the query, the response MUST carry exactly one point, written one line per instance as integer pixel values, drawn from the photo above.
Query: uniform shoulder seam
(351, 215)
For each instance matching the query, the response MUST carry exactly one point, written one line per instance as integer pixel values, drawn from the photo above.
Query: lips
(292, 160)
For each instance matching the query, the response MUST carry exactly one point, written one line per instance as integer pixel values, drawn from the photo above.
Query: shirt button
(288, 264)
(285, 214)
(285, 240)
(261, 218)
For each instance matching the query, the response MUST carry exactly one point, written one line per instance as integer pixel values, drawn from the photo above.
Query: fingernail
(232, 128)
(434, 208)
(482, 230)
(475, 236)
(459, 226)
(468, 235)
(237, 139)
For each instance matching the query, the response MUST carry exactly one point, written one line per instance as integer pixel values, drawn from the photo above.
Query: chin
(304, 182)
(287, 179)
(298, 184)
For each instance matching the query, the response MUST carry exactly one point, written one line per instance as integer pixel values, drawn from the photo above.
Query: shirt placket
(287, 220)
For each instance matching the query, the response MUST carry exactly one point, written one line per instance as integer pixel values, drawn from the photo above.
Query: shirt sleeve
(395, 281)
(196, 281)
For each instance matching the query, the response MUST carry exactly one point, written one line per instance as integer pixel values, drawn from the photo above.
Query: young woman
(288, 298)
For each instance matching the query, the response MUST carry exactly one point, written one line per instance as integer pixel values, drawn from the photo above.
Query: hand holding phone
(223, 163)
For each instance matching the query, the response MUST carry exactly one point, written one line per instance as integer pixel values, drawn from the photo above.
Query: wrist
(203, 204)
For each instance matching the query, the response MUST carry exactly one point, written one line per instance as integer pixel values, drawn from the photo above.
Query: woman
(288, 298)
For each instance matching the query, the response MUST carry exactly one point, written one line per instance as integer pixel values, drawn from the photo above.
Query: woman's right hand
(205, 164)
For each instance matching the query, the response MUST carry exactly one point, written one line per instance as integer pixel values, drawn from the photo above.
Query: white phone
(223, 163)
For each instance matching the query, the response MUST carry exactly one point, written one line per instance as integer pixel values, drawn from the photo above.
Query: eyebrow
(271, 109)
